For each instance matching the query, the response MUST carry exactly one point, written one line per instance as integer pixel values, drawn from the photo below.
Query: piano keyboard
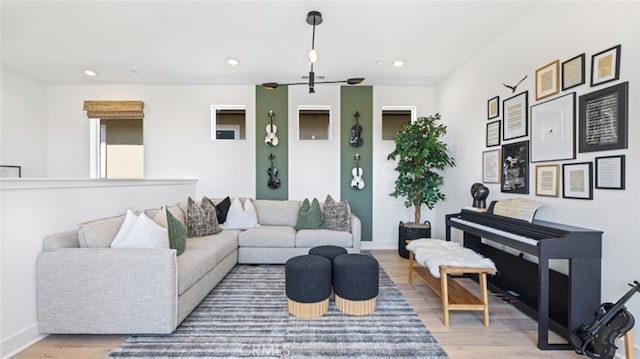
(500, 232)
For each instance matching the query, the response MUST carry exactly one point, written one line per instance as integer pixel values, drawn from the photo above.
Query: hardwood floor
(511, 334)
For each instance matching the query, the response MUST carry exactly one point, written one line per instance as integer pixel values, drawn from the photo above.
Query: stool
(308, 285)
(328, 252)
(355, 282)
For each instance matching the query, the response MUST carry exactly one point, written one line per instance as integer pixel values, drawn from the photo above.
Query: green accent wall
(277, 101)
(352, 99)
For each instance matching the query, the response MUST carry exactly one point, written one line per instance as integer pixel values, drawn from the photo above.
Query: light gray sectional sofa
(84, 286)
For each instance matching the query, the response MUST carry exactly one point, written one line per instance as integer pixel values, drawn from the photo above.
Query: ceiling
(189, 42)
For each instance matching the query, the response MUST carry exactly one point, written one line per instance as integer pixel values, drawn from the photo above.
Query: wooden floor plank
(511, 334)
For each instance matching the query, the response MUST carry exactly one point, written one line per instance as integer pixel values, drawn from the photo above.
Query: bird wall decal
(513, 88)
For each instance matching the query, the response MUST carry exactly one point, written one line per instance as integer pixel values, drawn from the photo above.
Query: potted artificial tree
(421, 156)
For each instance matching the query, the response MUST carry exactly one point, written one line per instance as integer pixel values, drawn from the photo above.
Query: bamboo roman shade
(114, 110)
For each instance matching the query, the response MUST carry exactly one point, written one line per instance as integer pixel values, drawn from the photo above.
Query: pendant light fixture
(314, 18)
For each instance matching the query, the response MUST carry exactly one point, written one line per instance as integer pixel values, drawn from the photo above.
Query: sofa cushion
(277, 213)
(193, 264)
(201, 218)
(99, 233)
(224, 243)
(268, 236)
(337, 216)
(160, 216)
(310, 215)
(144, 233)
(240, 217)
(309, 238)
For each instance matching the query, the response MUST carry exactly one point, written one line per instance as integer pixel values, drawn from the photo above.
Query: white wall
(389, 211)
(177, 134)
(23, 125)
(552, 31)
(314, 166)
(34, 208)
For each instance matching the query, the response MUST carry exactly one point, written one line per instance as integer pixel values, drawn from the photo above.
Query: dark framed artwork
(603, 119)
(605, 66)
(515, 168)
(577, 180)
(493, 134)
(548, 80)
(553, 131)
(10, 171)
(610, 172)
(573, 72)
(493, 107)
(514, 116)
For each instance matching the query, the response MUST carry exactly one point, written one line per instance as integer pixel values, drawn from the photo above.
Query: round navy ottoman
(308, 285)
(328, 252)
(355, 282)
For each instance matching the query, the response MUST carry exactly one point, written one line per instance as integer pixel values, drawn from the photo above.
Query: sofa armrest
(107, 291)
(60, 240)
(356, 232)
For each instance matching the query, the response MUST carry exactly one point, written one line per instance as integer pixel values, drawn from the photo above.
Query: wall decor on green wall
(272, 107)
(357, 99)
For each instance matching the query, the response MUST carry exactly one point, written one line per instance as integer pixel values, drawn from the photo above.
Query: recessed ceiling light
(233, 62)
(134, 71)
(90, 73)
(398, 63)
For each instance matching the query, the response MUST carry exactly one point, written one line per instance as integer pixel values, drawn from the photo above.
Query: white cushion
(129, 221)
(241, 218)
(144, 233)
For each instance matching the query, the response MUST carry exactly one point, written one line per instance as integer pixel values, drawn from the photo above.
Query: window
(117, 148)
(314, 123)
(228, 122)
(393, 117)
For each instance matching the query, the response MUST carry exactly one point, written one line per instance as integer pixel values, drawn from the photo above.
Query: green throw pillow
(177, 233)
(310, 216)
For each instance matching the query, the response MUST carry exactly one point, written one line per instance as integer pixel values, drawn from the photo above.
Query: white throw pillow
(129, 220)
(241, 218)
(144, 233)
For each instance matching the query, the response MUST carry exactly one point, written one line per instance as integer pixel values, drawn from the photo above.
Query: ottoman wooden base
(308, 310)
(356, 307)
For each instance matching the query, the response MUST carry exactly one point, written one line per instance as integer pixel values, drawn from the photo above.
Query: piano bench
(454, 296)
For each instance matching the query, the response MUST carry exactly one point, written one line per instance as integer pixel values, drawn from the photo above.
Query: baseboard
(379, 245)
(19, 341)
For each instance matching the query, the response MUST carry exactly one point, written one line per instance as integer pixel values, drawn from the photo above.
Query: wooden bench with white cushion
(438, 259)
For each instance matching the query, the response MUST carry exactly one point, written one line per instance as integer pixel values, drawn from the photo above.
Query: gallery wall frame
(515, 168)
(610, 172)
(493, 108)
(553, 130)
(547, 180)
(605, 66)
(515, 110)
(577, 180)
(548, 80)
(493, 134)
(491, 166)
(573, 72)
(603, 119)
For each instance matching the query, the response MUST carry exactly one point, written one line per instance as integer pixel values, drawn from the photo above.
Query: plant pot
(411, 231)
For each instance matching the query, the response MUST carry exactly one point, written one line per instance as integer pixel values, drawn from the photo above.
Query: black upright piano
(558, 301)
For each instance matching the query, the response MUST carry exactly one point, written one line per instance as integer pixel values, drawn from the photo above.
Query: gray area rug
(246, 316)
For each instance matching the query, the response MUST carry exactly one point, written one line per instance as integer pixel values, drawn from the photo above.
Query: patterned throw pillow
(201, 218)
(337, 216)
(177, 233)
(310, 215)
